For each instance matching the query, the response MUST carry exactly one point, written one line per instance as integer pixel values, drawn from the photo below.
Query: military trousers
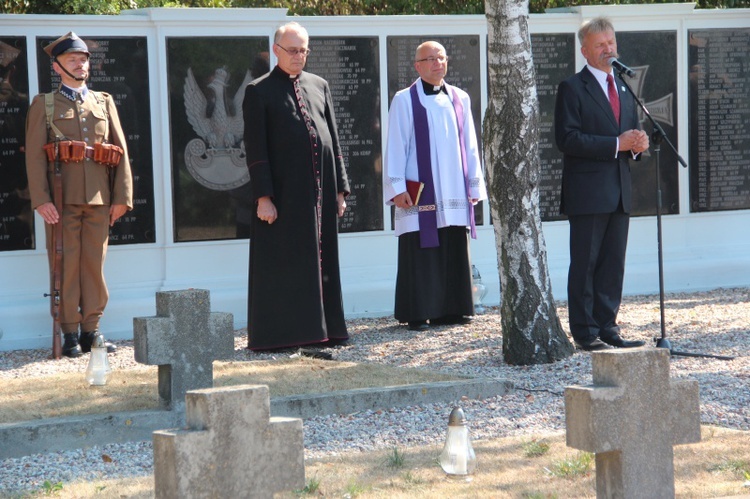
(83, 293)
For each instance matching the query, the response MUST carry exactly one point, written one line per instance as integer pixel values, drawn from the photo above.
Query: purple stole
(428, 235)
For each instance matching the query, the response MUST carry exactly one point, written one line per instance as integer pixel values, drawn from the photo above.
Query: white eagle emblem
(217, 159)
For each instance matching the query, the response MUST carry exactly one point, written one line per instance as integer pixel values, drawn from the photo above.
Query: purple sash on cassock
(459, 108)
(428, 235)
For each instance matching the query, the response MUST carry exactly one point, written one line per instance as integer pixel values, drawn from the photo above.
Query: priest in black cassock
(299, 184)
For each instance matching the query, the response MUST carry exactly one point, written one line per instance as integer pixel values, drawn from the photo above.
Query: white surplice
(448, 177)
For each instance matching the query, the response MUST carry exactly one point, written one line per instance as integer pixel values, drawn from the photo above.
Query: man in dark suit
(597, 130)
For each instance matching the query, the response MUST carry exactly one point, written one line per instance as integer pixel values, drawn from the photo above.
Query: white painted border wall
(701, 251)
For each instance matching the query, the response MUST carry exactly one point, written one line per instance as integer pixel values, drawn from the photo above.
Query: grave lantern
(458, 458)
(478, 290)
(98, 368)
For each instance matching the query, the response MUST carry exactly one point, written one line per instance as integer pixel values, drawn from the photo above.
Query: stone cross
(183, 339)
(630, 418)
(230, 448)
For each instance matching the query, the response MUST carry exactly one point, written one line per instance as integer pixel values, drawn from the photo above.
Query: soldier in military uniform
(81, 129)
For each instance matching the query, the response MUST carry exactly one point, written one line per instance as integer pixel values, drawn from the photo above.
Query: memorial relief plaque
(719, 107)
(655, 84)
(463, 72)
(207, 77)
(351, 65)
(16, 215)
(119, 66)
(554, 60)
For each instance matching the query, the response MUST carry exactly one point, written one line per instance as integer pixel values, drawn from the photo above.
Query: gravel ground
(715, 322)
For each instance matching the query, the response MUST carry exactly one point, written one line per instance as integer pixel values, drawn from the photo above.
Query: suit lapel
(595, 91)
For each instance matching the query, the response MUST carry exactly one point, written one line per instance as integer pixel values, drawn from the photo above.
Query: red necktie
(614, 99)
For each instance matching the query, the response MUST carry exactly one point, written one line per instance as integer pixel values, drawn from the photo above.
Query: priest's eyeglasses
(293, 52)
(441, 59)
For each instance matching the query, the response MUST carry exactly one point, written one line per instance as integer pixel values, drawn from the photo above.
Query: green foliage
(395, 459)
(535, 448)
(738, 467)
(354, 489)
(572, 467)
(49, 488)
(311, 489)
(319, 7)
(412, 479)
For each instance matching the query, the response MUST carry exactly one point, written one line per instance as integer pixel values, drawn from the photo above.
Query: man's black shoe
(70, 346)
(592, 345)
(87, 339)
(418, 326)
(617, 341)
(336, 342)
(450, 320)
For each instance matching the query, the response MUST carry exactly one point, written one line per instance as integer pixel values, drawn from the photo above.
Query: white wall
(701, 251)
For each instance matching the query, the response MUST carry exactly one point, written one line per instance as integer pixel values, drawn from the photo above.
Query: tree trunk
(532, 333)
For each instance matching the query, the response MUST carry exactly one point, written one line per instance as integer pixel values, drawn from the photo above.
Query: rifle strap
(57, 232)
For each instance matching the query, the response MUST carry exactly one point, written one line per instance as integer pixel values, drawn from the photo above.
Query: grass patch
(502, 473)
(395, 459)
(737, 467)
(572, 467)
(535, 448)
(135, 389)
(311, 488)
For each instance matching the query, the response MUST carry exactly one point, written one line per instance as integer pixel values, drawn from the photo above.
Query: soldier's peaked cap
(69, 42)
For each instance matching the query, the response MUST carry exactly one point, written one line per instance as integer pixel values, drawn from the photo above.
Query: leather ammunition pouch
(108, 154)
(76, 150)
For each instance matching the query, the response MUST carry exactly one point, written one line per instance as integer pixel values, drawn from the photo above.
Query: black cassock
(293, 154)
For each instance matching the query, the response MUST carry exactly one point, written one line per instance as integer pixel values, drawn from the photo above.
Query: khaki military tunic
(87, 197)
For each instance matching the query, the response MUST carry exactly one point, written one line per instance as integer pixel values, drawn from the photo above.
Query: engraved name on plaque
(554, 60)
(719, 101)
(351, 67)
(16, 215)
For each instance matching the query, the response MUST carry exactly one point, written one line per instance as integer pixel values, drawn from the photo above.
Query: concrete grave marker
(230, 448)
(630, 418)
(183, 339)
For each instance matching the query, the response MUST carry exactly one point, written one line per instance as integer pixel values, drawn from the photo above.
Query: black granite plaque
(119, 66)
(207, 77)
(16, 216)
(656, 85)
(719, 107)
(352, 68)
(554, 60)
(463, 72)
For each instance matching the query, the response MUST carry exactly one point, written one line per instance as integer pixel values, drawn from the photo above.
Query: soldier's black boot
(70, 346)
(87, 339)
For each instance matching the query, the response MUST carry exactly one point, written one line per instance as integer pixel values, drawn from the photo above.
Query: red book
(414, 188)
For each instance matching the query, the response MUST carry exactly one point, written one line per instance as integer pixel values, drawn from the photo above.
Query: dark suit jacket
(594, 180)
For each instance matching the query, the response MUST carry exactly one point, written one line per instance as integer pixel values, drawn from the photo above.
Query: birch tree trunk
(532, 333)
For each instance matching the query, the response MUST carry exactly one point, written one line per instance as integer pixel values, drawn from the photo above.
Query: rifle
(56, 271)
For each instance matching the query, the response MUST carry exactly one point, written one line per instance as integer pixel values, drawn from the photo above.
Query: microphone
(622, 68)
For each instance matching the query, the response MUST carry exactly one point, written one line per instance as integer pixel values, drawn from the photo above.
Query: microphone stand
(657, 136)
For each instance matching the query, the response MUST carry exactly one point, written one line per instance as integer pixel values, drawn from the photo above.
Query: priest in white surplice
(432, 141)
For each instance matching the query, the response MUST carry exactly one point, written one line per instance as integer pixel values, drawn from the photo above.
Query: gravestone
(630, 418)
(230, 448)
(183, 339)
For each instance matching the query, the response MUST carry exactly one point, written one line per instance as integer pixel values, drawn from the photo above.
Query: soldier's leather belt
(76, 150)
